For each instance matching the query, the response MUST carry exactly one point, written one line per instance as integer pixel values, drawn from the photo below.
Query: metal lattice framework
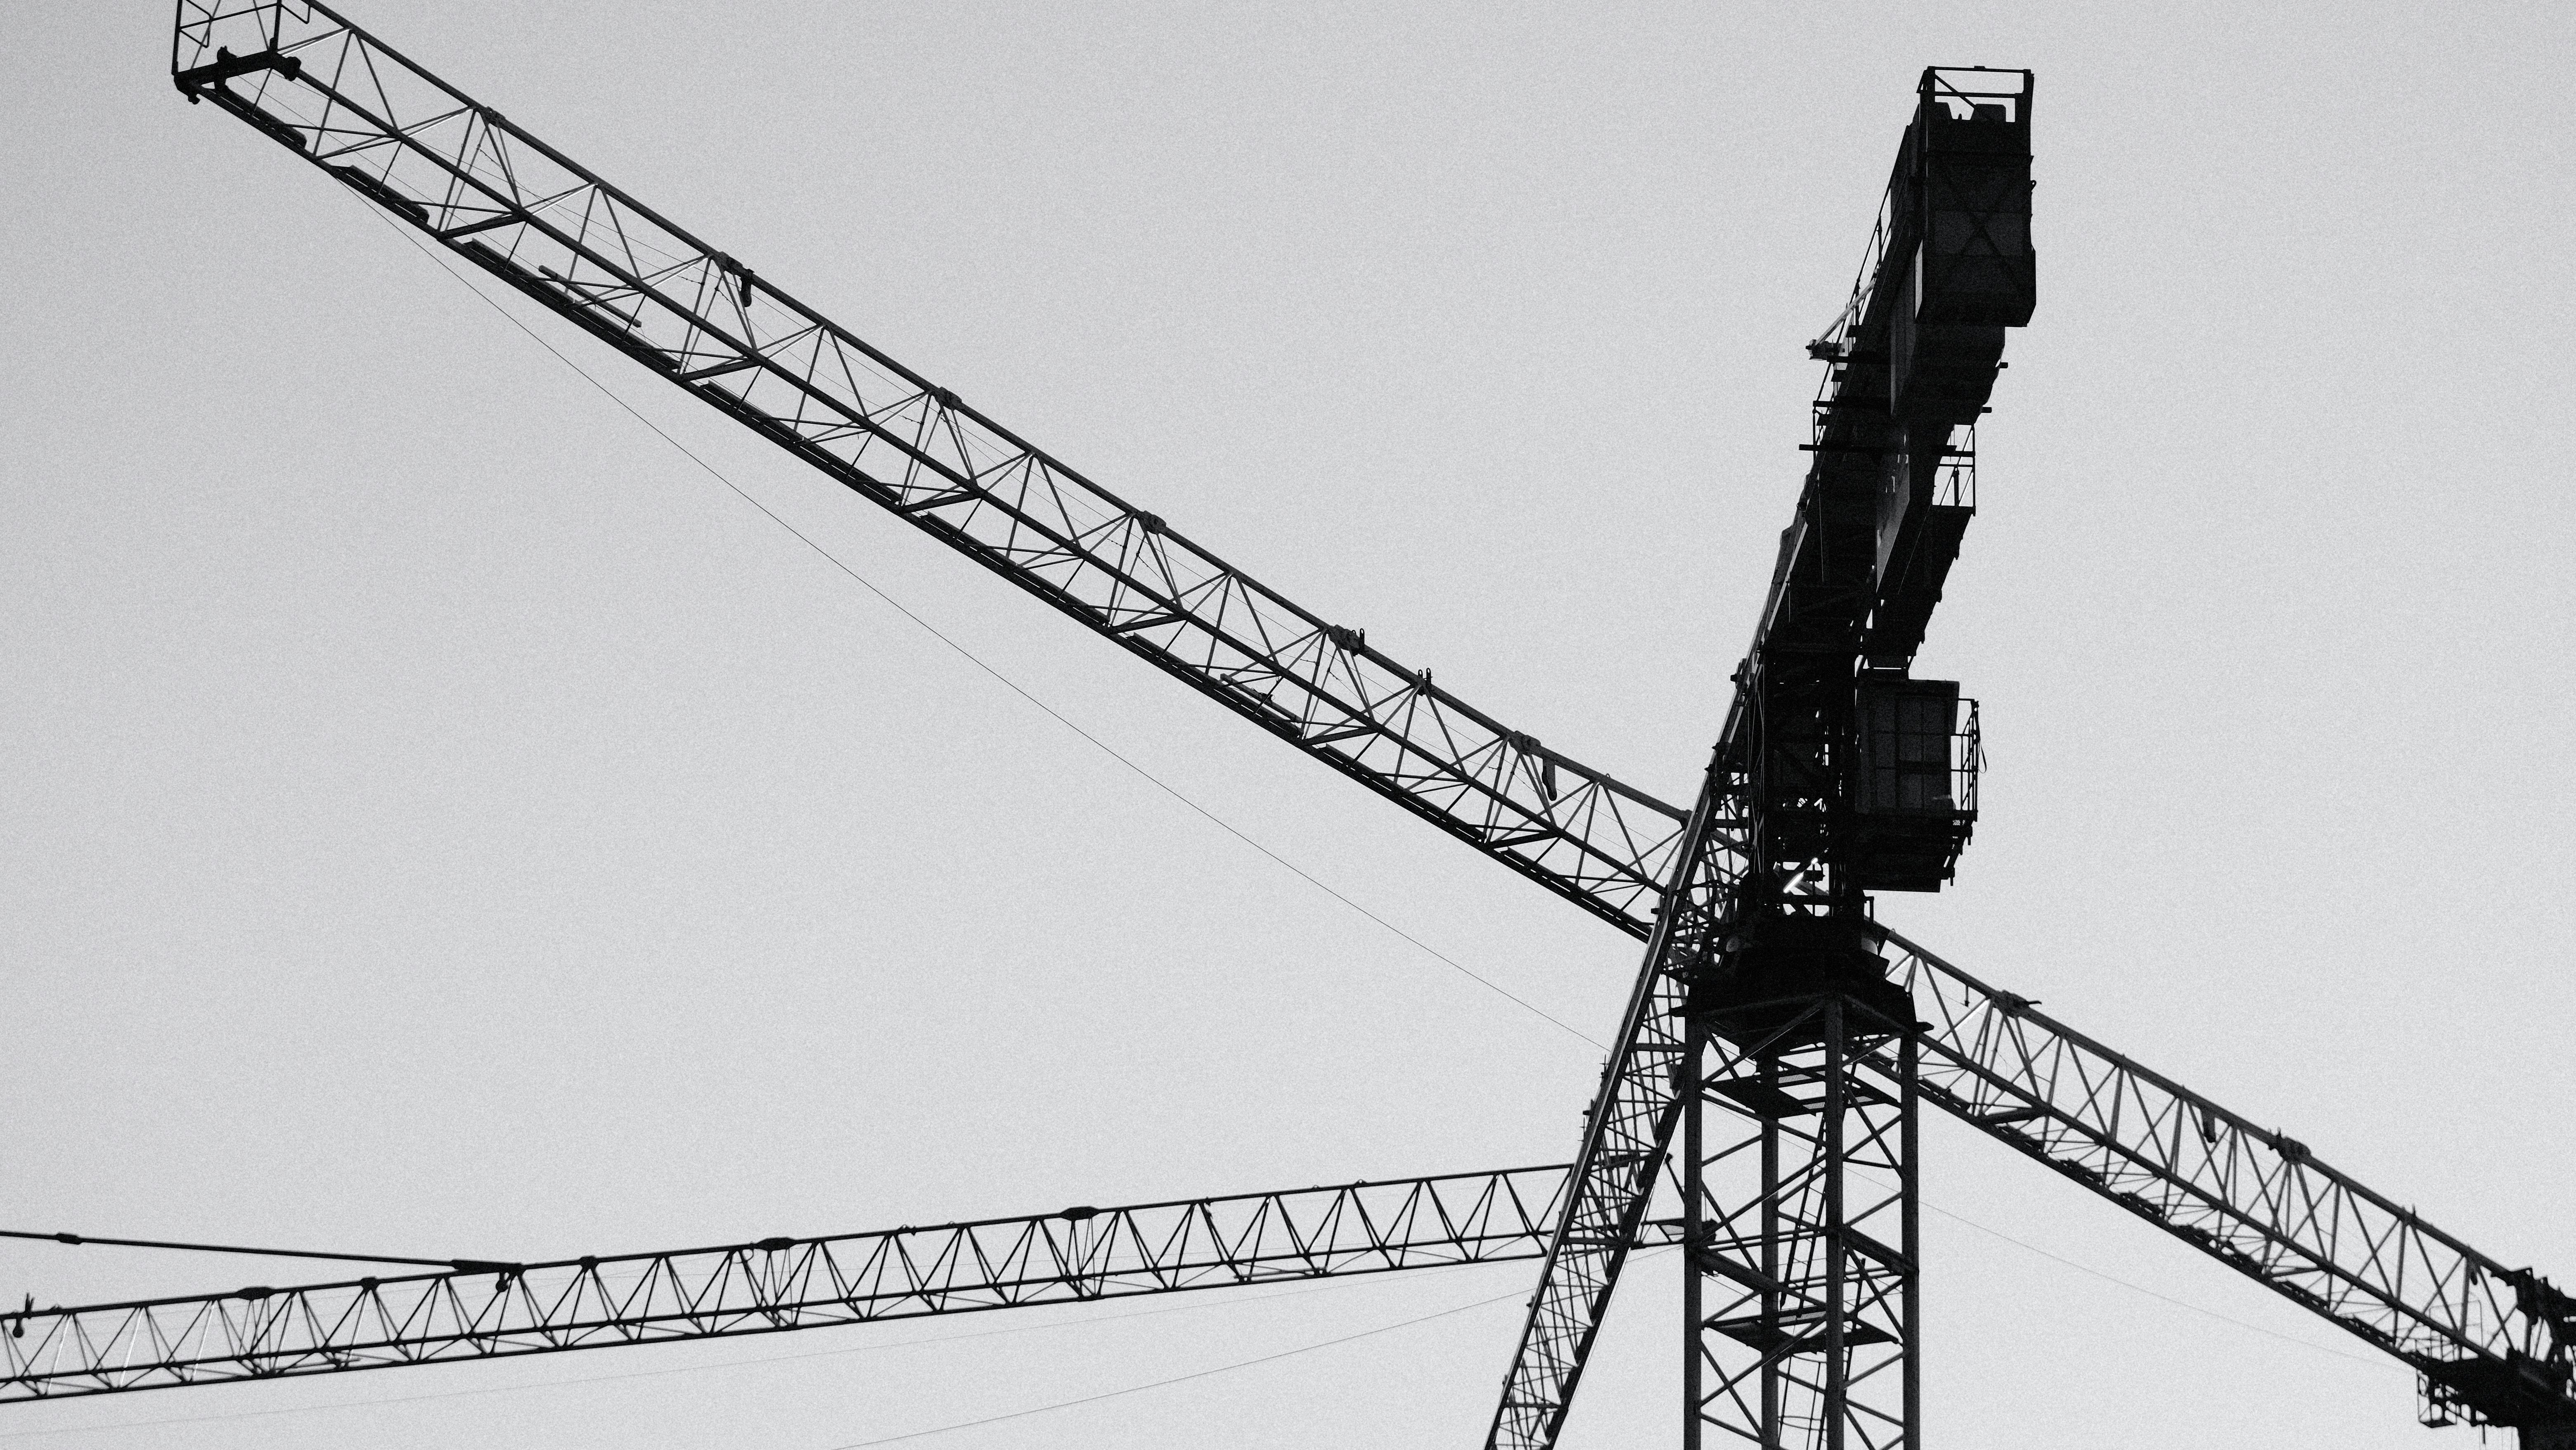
(529, 215)
(2493, 1344)
(1803, 1220)
(1625, 1138)
(779, 1284)
(2254, 1198)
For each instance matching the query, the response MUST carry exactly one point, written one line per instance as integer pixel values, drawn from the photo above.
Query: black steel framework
(1625, 1136)
(532, 217)
(1908, 361)
(2491, 1345)
(1769, 923)
(778, 1284)
(1798, 1172)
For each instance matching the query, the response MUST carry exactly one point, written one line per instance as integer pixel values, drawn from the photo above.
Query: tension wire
(461, 1265)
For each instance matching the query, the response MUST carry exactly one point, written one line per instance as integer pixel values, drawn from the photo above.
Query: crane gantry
(1759, 1108)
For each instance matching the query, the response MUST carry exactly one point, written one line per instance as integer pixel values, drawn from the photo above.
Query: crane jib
(1911, 362)
(526, 214)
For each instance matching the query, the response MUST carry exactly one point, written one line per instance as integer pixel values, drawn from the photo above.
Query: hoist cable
(972, 658)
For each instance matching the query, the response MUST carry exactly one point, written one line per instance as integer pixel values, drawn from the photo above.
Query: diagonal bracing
(774, 1285)
(524, 212)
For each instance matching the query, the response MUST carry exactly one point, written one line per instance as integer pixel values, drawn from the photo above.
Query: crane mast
(1764, 1028)
(1781, 1034)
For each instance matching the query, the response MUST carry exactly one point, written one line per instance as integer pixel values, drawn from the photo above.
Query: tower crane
(1761, 1105)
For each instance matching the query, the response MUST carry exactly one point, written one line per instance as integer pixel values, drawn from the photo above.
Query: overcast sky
(440, 819)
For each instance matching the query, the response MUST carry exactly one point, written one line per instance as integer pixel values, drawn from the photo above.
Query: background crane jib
(499, 1311)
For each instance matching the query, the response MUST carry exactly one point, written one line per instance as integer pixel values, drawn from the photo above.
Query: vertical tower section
(1799, 1163)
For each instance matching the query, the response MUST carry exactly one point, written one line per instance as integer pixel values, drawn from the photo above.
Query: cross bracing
(536, 220)
(774, 1285)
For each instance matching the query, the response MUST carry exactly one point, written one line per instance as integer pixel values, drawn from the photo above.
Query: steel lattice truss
(1629, 1132)
(2256, 1199)
(780, 1284)
(1625, 1138)
(2485, 1336)
(530, 216)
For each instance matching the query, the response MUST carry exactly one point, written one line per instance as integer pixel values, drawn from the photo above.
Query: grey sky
(440, 819)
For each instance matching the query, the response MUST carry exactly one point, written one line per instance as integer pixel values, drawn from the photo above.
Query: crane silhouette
(1760, 1108)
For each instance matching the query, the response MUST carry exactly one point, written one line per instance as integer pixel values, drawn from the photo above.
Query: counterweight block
(1914, 793)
